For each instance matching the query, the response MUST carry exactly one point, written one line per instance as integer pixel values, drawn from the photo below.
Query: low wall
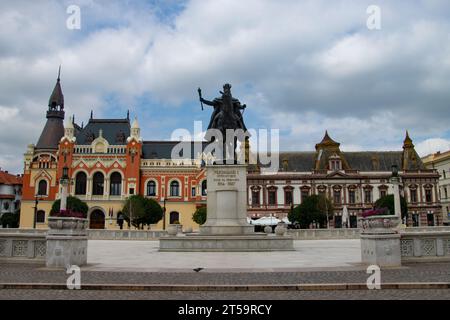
(125, 234)
(425, 246)
(22, 247)
(318, 234)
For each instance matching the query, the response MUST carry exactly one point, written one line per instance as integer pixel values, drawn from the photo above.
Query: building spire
(57, 98)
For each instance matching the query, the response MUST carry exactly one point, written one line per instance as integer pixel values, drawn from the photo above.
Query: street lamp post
(395, 180)
(164, 215)
(36, 201)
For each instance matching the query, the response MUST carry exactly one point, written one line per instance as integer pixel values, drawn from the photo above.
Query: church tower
(54, 128)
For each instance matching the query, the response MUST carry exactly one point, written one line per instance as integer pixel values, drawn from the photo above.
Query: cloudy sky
(300, 66)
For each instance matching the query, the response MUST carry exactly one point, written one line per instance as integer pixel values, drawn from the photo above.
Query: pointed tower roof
(327, 142)
(57, 97)
(410, 158)
(135, 124)
(408, 143)
(54, 128)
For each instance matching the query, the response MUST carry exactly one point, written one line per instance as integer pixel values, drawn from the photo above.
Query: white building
(10, 193)
(441, 163)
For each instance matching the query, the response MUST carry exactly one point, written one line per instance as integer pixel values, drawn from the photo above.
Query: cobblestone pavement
(29, 273)
(257, 295)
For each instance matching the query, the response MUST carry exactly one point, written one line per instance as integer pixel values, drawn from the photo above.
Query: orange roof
(9, 179)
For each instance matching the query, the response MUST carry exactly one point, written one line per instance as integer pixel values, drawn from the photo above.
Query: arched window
(204, 189)
(174, 189)
(42, 188)
(115, 184)
(40, 216)
(174, 217)
(151, 188)
(98, 183)
(80, 183)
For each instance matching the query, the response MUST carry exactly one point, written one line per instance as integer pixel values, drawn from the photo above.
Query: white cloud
(301, 66)
(432, 146)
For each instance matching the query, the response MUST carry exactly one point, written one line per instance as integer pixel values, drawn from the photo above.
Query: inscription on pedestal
(226, 178)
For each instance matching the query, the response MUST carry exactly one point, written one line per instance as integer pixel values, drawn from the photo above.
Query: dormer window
(335, 163)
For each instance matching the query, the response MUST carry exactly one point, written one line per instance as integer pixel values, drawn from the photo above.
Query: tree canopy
(313, 209)
(199, 215)
(73, 204)
(144, 211)
(388, 202)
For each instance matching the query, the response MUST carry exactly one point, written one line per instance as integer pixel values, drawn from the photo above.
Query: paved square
(144, 256)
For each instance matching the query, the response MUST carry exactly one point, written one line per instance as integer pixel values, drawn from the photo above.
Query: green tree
(199, 216)
(143, 211)
(10, 220)
(73, 204)
(388, 202)
(313, 209)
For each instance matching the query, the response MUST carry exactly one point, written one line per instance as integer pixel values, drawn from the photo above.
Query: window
(40, 216)
(80, 183)
(115, 184)
(131, 191)
(255, 198)
(174, 189)
(352, 196)
(42, 188)
(174, 217)
(151, 188)
(413, 195)
(415, 219)
(428, 196)
(446, 192)
(304, 194)
(193, 192)
(98, 183)
(337, 196)
(204, 190)
(444, 174)
(383, 193)
(288, 197)
(367, 196)
(6, 205)
(272, 197)
(430, 219)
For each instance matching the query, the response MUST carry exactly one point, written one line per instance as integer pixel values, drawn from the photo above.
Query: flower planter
(281, 229)
(174, 229)
(67, 226)
(67, 241)
(380, 224)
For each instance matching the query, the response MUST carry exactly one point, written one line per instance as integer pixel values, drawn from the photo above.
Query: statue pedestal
(226, 227)
(227, 201)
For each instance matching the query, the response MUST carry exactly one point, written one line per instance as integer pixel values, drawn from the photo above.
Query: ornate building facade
(353, 181)
(108, 161)
(441, 163)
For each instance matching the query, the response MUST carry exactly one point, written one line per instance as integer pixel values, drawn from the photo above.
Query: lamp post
(164, 215)
(395, 180)
(36, 201)
(64, 183)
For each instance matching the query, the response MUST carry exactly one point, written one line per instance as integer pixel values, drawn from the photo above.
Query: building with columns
(351, 180)
(441, 163)
(108, 161)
